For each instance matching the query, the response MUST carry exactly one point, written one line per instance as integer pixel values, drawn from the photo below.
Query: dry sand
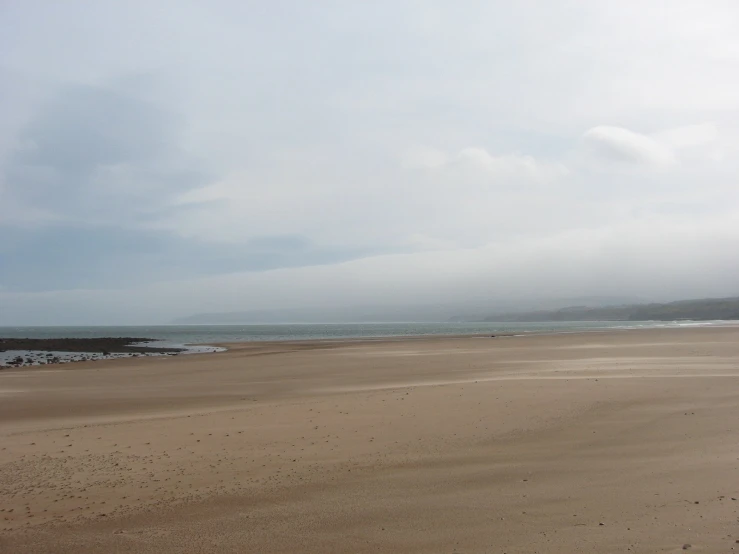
(600, 442)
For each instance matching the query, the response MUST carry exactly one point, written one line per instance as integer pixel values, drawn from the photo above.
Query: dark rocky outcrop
(104, 345)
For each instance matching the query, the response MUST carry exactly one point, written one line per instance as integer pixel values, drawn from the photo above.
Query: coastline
(306, 343)
(84, 344)
(422, 444)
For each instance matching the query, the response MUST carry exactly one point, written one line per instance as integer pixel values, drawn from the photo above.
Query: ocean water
(177, 335)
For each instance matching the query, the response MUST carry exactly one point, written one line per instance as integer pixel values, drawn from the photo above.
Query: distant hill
(703, 309)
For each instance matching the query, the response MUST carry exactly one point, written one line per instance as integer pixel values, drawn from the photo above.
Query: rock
(687, 546)
(83, 345)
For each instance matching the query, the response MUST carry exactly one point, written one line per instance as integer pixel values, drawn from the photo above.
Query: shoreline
(503, 335)
(95, 349)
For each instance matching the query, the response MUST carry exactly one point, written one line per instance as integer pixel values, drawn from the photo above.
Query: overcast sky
(161, 158)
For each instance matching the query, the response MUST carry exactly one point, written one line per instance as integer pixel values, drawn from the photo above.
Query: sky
(159, 159)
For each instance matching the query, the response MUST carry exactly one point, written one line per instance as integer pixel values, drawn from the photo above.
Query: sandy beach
(619, 441)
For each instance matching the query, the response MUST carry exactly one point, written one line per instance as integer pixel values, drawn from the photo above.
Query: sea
(201, 338)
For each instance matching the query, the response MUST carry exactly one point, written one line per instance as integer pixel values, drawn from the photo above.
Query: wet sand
(592, 442)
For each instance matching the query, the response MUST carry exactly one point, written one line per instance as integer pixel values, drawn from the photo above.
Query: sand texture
(593, 442)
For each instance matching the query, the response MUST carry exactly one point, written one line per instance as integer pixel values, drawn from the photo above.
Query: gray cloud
(97, 154)
(367, 152)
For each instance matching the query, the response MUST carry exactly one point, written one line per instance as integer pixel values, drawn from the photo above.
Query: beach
(608, 441)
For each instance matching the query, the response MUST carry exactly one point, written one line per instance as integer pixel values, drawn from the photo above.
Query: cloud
(378, 150)
(99, 155)
(479, 160)
(662, 257)
(661, 150)
(84, 257)
(509, 164)
(459, 198)
(624, 146)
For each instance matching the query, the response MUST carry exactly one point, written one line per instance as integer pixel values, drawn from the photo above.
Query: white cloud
(434, 198)
(478, 160)
(509, 164)
(622, 145)
(702, 143)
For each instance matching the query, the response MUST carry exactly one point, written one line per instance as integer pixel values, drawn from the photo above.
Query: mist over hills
(572, 309)
(442, 311)
(702, 309)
